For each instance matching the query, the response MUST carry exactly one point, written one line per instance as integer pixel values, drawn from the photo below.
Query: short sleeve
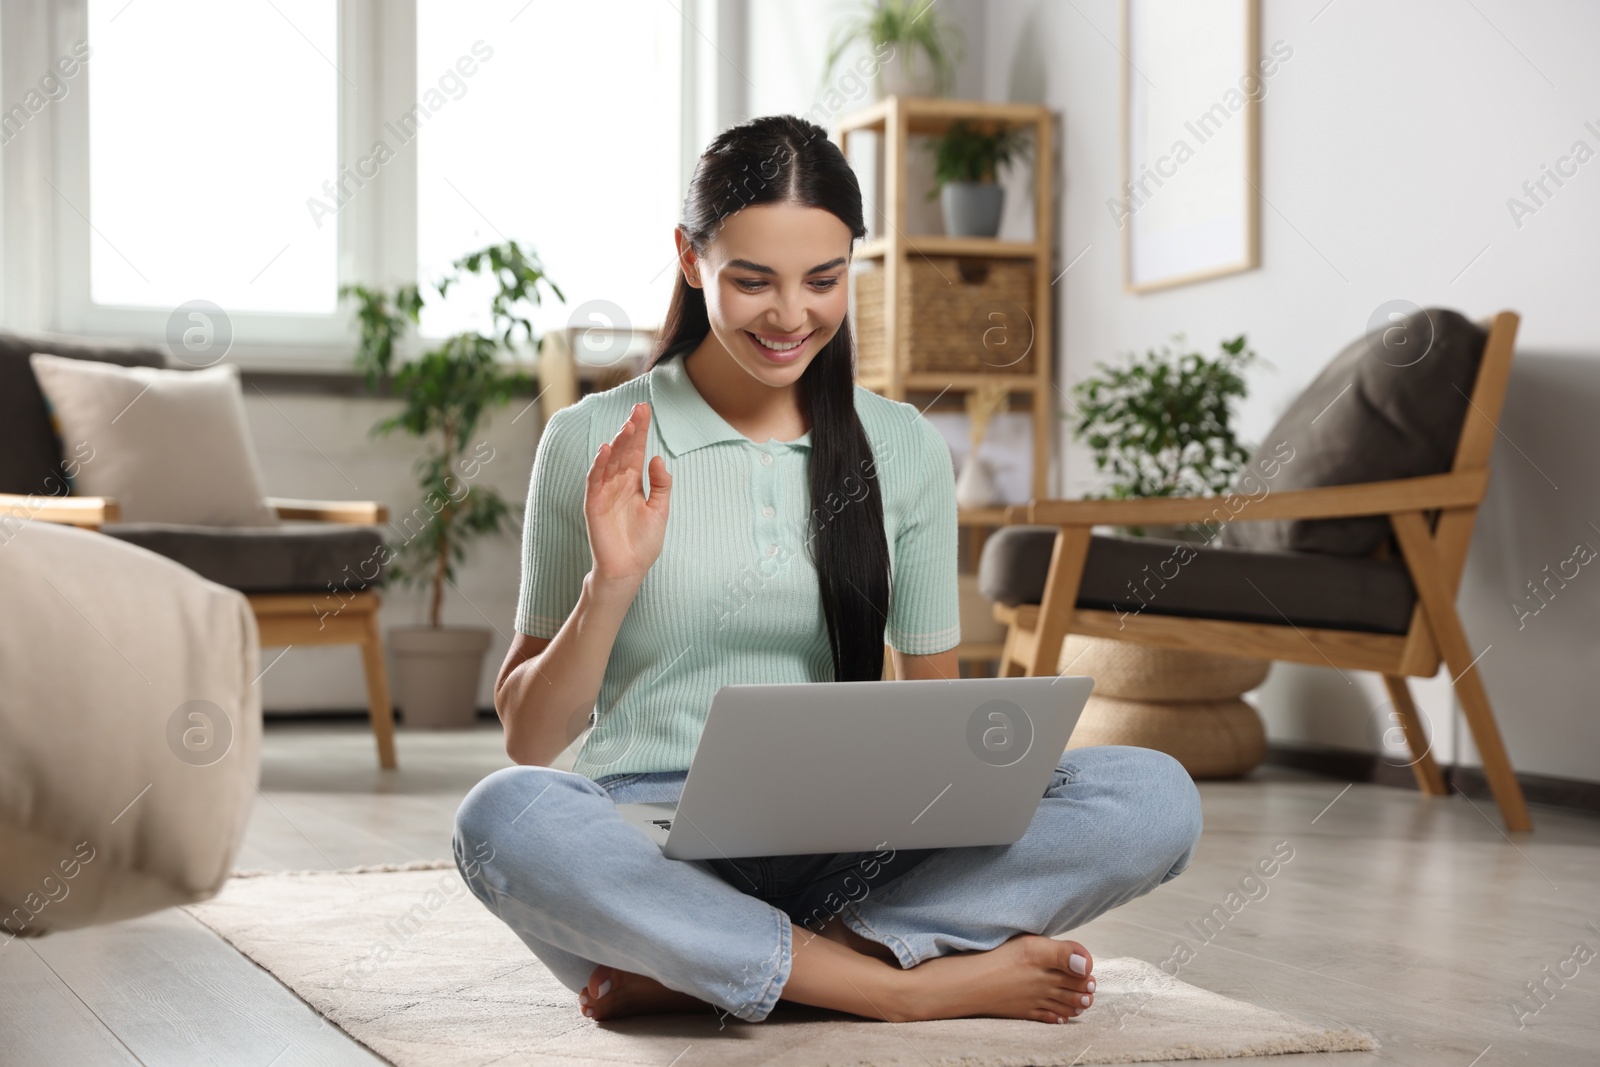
(555, 536)
(924, 602)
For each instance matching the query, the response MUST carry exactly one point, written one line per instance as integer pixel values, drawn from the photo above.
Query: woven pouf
(1186, 704)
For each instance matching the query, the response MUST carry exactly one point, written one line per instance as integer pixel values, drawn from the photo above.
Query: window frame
(377, 231)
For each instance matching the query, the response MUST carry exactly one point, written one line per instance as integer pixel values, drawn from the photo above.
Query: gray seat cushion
(30, 453)
(1391, 405)
(294, 557)
(1135, 574)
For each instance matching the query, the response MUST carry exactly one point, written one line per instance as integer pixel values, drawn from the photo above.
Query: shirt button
(772, 550)
(768, 511)
(766, 459)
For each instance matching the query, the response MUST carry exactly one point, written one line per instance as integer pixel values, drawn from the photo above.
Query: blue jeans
(545, 850)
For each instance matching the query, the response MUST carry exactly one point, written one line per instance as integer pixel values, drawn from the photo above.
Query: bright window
(564, 137)
(210, 127)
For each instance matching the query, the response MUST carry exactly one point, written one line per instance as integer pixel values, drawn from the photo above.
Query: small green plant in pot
(967, 160)
(916, 51)
(1161, 424)
(445, 393)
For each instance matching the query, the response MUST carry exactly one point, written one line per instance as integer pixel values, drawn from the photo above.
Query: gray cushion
(294, 557)
(1142, 574)
(1391, 405)
(30, 454)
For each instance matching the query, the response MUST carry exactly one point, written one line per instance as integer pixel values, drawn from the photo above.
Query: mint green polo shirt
(733, 597)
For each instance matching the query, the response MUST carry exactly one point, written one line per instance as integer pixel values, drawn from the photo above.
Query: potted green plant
(1161, 424)
(445, 393)
(966, 164)
(917, 50)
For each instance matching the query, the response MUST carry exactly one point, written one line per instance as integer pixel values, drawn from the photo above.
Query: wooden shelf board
(935, 381)
(934, 114)
(941, 245)
(950, 384)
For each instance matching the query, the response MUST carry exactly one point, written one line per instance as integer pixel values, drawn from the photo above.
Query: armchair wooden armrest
(89, 512)
(347, 512)
(1455, 490)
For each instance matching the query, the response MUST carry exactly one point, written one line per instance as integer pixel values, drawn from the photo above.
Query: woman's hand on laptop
(626, 530)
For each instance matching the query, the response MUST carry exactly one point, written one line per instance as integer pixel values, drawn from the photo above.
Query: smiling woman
(786, 347)
(773, 357)
(795, 523)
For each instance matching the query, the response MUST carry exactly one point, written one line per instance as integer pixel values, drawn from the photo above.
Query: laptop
(806, 768)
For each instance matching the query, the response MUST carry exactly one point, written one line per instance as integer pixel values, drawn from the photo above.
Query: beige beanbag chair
(130, 731)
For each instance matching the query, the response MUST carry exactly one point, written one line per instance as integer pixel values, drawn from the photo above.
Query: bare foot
(1028, 977)
(612, 994)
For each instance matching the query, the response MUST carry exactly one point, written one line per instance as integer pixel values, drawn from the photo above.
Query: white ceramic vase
(976, 486)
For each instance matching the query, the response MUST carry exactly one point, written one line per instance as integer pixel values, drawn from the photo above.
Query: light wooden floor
(1417, 921)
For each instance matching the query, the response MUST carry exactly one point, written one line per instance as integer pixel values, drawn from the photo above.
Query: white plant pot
(908, 72)
(436, 674)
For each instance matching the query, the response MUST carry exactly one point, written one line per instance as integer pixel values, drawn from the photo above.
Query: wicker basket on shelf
(968, 315)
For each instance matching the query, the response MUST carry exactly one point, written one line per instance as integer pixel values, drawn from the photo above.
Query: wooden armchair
(1432, 519)
(315, 589)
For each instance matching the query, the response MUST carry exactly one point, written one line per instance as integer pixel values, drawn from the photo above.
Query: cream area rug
(411, 965)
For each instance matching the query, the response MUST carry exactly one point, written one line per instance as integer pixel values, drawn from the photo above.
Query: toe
(1078, 960)
(1062, 1006)
(599, 986)
(1070, 985)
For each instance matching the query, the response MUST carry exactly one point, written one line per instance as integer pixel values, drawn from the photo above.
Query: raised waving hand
(626, 529)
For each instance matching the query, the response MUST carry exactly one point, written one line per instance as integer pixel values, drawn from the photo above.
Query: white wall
(1391, 141)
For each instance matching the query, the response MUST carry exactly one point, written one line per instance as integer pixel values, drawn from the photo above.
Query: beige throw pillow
(167, 445)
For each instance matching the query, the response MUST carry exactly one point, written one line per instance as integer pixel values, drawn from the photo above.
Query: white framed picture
(1189, 207)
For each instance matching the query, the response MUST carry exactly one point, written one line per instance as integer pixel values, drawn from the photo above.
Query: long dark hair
(785, 159)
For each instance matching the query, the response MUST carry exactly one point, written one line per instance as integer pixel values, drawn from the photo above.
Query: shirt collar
(684, 419)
